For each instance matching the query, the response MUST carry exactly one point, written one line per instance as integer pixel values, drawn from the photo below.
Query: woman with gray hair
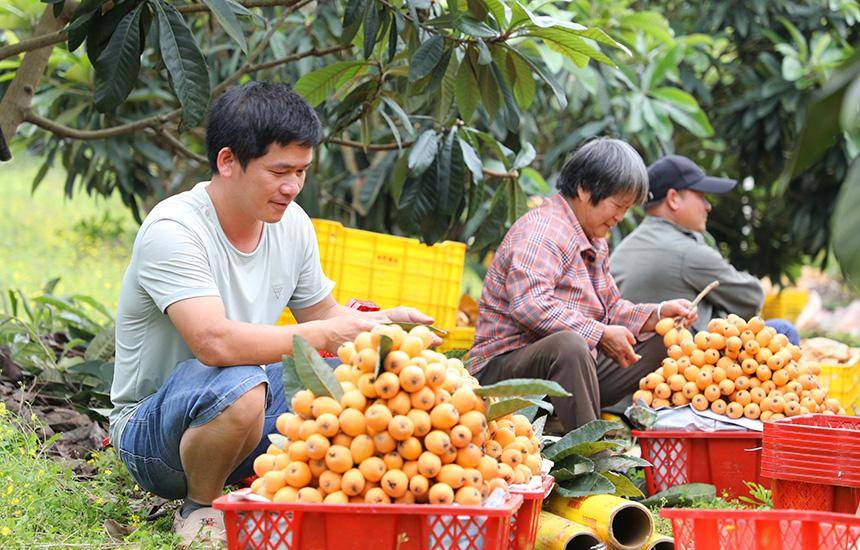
(549, 307)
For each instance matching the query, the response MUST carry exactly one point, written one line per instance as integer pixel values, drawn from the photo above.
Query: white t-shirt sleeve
(173, 264)
(313, 286)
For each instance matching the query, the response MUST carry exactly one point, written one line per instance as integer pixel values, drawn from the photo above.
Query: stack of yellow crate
(393, 271)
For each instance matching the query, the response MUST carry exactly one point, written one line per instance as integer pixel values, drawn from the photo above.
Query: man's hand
(679, 308)
(401, 314)
(344, 328)
(617, 344)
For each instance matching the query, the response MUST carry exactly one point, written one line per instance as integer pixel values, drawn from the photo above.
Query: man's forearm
(236, 343)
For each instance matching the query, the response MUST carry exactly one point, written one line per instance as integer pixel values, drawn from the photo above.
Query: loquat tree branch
(33, 43)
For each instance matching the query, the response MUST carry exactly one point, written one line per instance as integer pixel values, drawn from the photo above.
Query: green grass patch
(86, 241)
(43, 505)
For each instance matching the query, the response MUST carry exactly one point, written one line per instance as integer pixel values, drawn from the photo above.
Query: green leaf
(584, 485)
(525, 157)
(466, 92)
(313, 371)
(425, 58)
(472, 27)
(371, 29)
(697, 123)
(523, 82)
(189, 75)
(571, 45)
(374, 179)
(316, 86)
(103, 346)
(292, 382)
(401, 114)
(557, 90)
(623, 486)
(514, 404)
(681, 495)
(571, 467)
(228, 20)
(119, 64)
(588, 433)
(398, 178)
(446, 179)
(385, 345)
(846, 224)
(667, 64)
(472, 160)
(423, 152)
(648, 22)
(102, 28)
(678, 97)
(620, 463)
(522, 386)
(501, 12)
(353, 15)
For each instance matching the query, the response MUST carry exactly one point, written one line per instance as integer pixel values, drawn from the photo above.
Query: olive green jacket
(660, 260)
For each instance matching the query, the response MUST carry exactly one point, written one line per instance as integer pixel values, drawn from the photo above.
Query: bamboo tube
(556, 533)
(621, 523)
(659, 542)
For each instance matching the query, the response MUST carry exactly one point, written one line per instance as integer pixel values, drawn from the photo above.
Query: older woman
(549, 307)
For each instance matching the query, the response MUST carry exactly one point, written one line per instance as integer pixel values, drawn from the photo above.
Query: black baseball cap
(677, 172)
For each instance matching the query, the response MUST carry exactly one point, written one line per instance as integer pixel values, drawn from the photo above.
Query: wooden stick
(702, 294)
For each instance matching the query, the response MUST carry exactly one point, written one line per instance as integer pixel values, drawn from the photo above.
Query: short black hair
(250, 117)
(605, 167)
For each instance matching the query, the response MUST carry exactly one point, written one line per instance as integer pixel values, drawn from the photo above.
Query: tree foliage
(443, 118)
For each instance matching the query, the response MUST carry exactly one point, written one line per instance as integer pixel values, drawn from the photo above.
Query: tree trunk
(16, 101)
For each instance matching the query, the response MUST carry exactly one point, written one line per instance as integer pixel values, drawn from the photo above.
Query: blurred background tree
(443, 118)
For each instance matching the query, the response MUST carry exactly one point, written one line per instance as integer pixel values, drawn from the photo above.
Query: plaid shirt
(547, 277)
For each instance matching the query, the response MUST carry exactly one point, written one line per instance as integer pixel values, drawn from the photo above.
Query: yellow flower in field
(5, 531)
(108, 472)
(14, 502)
(10, 489)
(135, 519)
(100, 501)
(41, 472)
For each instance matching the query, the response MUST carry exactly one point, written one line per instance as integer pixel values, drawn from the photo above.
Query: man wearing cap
(667, 256)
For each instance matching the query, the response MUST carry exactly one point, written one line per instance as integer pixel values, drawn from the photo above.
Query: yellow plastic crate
(391, 271)
(786, 304)
(457, 338)
(842, 382)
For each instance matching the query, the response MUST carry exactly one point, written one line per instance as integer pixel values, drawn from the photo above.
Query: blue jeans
(193, 395)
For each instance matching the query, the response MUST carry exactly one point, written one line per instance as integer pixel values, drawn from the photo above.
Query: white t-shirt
(182, 252)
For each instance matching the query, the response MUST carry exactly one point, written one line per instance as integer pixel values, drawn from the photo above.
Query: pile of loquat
(416, 433)
(737, 368)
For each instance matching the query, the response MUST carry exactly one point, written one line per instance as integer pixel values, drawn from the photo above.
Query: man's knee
(249, 409)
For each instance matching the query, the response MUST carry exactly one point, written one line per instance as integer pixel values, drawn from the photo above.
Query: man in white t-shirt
(198, 382)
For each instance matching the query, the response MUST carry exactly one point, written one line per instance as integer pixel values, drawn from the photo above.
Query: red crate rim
(547, 482)
(795, 515)
(679, 434)
(814, 421)
(512, 504)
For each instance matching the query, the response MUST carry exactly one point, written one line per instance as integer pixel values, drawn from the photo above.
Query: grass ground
(42, 505)
(85, 240)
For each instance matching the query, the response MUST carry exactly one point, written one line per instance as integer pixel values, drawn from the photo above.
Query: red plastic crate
(723, 459)
(303, 526)
(814, 461)
(525, 523)
(762, 530)
(798, 495)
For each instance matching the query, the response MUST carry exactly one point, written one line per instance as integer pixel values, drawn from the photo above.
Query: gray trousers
(564, 357)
